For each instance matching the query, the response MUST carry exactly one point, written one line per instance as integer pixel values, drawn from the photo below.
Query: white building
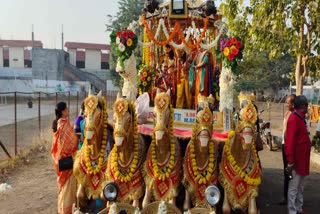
(17, 53)
(88, 56)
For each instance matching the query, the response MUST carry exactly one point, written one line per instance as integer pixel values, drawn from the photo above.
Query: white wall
(72, 56)
(16, 57)
(49, 86)
(93, 60)
(1, 57)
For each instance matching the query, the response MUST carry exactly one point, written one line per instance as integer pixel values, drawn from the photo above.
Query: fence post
(39, 113)
(69, 99)
(56, 98)
(15, 124)
(77, 102)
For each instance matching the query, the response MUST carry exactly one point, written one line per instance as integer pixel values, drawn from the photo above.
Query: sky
(82, 20)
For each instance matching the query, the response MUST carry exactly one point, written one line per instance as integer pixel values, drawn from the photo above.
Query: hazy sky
(83, 20)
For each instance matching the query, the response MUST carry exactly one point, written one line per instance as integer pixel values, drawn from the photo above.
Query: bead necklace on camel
(200, 168)
(163, 162)
(240, 172)
(127, 155)
(90, 162)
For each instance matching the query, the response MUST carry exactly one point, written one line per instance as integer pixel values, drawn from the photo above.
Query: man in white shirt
(290, 108)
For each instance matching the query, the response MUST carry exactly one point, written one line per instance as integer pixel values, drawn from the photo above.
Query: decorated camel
(200, 165)
(163, 162)
(240, 172)
(91, 161)
(127, 155)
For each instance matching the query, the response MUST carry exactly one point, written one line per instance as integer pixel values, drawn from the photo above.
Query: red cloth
(298, 144)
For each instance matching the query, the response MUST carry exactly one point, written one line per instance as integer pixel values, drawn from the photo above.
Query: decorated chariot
(174, 136)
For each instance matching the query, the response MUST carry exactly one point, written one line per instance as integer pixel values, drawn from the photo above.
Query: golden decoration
(162, 101)
(163, 174)
(120, 107)
(90, 168)
(128, 174)
(91, 103)
(202, 178)
(249, 180)
(243, 96)
(203, 99)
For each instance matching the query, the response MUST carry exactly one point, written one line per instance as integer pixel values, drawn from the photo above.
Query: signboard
(187, 117)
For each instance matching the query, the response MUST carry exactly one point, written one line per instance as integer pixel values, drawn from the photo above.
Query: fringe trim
(84, 179)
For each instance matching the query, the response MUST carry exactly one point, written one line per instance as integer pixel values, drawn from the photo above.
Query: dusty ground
(34, 187)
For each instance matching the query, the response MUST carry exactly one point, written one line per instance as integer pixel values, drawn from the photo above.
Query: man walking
(290, 107)
(297, 149)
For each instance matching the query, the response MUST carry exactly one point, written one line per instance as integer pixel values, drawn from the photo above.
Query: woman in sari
(64, 144)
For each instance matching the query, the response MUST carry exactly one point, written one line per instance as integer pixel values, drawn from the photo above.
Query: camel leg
(186, 203)
(135, 203)
(147, 196)
(252, 209)
(173, 201)
(226, 206)
(81, 197)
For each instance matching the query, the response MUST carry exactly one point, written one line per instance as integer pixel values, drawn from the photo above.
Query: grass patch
(38, 147)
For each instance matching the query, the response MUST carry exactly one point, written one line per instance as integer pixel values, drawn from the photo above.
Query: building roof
(91, 46)
(20, 43)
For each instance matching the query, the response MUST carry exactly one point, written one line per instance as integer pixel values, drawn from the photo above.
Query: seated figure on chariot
(163, 162)
(200, 165)
(167, 77)
(201, 74)
(128, 153)
(91, 161)
(239, 170)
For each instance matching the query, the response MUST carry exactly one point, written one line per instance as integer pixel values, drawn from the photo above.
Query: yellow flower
(226, 51)
(144, 83)
(129, 42)
(149, 78)
(145, 74)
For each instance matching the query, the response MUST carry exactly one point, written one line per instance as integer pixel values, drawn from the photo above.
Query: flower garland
(146, 49)
(239, 171)
(198, 42)
(96, 169)
(127, 176)
(146, 75)
(201, 178)
(164, 174)
(176, 30)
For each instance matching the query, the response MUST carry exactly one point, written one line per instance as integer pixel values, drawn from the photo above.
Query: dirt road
(34, 187)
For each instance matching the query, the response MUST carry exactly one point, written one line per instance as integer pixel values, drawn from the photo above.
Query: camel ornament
(91, 161)
(163, 162)
(128, 153)
(240, 172)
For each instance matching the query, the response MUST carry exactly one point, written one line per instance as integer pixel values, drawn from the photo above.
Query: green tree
(258, 73)
(129, 10)
(279, 27)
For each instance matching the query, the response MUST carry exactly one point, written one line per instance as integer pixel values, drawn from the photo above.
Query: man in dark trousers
(297, 148)
(290, 107)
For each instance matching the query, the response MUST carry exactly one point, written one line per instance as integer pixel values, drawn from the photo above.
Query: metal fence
(25, 117)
